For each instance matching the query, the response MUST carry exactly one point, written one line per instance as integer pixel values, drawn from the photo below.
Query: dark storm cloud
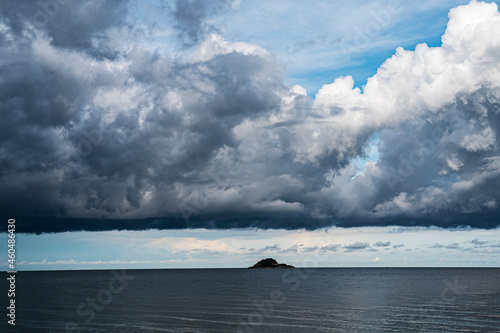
(77, 25)
(97, 138)
(191, 18)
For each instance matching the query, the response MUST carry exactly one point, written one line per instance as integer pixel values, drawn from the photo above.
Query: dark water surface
(276, 300)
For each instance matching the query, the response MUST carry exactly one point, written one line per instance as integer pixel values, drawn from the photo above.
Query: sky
(185, 134)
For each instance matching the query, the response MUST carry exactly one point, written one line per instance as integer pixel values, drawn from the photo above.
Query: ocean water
(273, 300)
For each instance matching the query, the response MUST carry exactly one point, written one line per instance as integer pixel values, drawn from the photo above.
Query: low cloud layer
(99, 132)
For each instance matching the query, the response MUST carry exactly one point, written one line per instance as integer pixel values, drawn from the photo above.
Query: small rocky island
(270, 263)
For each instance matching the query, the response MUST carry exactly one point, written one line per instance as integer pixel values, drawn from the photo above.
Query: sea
(259, 300)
